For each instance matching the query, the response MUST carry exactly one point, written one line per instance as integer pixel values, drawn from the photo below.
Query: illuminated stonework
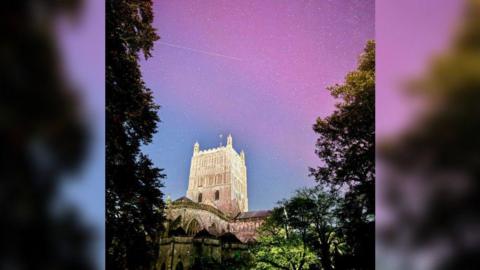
(218, 177)
(213, 219)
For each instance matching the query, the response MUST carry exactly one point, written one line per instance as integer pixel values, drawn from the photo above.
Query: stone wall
(246, 229)
(185, 250)
(175, 250)
(207, 218)
(189, 213)
(218, 177)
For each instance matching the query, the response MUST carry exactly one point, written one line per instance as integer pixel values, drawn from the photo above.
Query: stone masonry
(218, 177)
(213, 220)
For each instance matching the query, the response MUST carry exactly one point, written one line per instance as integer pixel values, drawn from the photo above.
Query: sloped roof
(178, 232)
(229, 237)
(204, 234)
(253, 214)
(183, 199)
(185, 202)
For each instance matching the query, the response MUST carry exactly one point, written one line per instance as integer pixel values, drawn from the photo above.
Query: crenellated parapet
(211, 150)
(212, 220)
(218, 177)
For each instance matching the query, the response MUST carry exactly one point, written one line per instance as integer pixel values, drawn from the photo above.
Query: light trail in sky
(199, 51)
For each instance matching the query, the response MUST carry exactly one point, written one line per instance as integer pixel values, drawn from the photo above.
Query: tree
(43, 139)
(346, 147)
(134, 210)
(280, 246)
(320, 208)
(239, 260)
(301, 233)
(438, 156)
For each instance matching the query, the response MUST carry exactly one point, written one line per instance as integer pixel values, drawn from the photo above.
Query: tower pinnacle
(229, 140)
(196, 148)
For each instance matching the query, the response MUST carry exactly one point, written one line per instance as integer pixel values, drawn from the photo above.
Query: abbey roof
(183, 199)
(186, 202)
(204, 234)
(253, 214)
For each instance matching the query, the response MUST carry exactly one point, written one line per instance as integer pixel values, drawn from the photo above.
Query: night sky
(409, 33)
(255, 69)
(268, 99)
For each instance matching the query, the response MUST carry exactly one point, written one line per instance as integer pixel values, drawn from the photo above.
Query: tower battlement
(211, 150)
(218, 177)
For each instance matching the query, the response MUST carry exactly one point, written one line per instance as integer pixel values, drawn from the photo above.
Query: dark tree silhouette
(437, 157)
(346, 147)
(134, 210)
(42, 138)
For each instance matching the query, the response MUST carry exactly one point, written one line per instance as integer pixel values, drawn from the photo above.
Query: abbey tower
(214, 215)
(218, 177)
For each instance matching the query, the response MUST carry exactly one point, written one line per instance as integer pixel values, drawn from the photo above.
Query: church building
(218, 177)
(213, 216)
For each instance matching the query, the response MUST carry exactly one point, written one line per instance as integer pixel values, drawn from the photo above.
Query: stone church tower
(218, 177)
(212, 221)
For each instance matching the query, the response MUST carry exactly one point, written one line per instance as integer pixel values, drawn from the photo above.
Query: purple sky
(270, 98)
(409, 33)
(257, 69)
(82, 47)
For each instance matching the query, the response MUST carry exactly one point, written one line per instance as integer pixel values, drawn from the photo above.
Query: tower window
(217, 195)
(200, 197)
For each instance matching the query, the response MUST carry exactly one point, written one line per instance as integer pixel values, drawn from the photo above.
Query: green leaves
(279, 250)
(300, 232)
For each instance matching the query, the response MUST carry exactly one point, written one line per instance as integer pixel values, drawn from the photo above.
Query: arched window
(217, 195)
(200, 197)
(213, 229)
(193, 228)
(176, 223)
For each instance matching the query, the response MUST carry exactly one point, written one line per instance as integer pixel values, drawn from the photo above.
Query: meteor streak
(199, 51)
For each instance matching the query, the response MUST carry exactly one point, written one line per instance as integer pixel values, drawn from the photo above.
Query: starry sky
(269, 99)
(409, 33)
(255, 69)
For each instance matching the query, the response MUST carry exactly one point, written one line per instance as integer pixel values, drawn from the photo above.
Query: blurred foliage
(133, 197)
(43, 137)
(433, 168)
(346, 147)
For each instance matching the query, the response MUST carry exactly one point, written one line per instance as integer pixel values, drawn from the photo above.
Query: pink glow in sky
(257, 69)
(409, 33)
